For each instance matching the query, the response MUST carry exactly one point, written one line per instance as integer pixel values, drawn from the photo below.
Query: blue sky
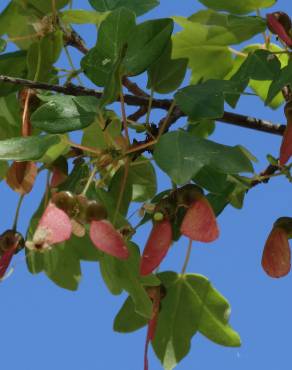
(45, 327)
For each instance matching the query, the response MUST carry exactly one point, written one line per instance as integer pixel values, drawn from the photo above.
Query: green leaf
(14, 65)
(260, 87)
(65, 113)
(143, 178)
(145, 45)
(211, 180)
(238, 6)
(3, 45)
(191, 305)
(229, 29)
(140, 185)
(62, 266)
(182, 156)
(218, 202)
(202, 128)
(102, 65)
(10, 117)
(42, 55)
(127, 319)
(137, 6)
(12, 15)
(197, 43)
(44, 6)
(103, 132)
(122, 275)
(80, 16)
(77, 179)
(31, 148)
(83, 248)
(166, 74)
(206, 100)
(115, 190)
(100, 62)
(284, 78)
(260, 65)
(3, 169)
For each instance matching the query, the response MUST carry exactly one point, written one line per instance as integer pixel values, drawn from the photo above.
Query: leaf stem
(164, 123)
(183, 270)
(89, 181)
(85, 148)
(124, 117)
(236, 52)
(19, 203)
(122, 189)
(74, 72)
(149, 107)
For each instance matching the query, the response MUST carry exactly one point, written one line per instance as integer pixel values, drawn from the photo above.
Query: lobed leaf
(188, 155)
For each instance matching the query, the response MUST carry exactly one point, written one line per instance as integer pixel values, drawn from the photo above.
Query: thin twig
(228, 117)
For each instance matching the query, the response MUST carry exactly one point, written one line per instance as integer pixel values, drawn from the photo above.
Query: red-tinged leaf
(199, 222)
(106, 238)
(276, 260)
(286, 145)
(278, 29)
(21, 176)
(54, 227)
(5, 261)
(156, 247)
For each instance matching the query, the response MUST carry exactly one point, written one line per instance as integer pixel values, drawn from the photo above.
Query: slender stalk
(26, 126)
(89, 181)
(54, 12)
(164, 123)
(265, 36)
(20, 200)
(74, 70)
(183, 270)
(85, 148)
(47, 191)
(122, 189)
(236, 52)
(140, 147)
(124, 117)
(149, 107)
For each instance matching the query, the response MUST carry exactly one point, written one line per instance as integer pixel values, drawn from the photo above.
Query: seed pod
(21, 176)
(187, 194)
(282, 18)
(156, 247)
(81, 208)
(106, 238)
(65, 201)
(199, 222)
(286, 145)
(279, 23)
(10, 243)
(9, 239)
(95, 211)
(54, 227)
(276, 259)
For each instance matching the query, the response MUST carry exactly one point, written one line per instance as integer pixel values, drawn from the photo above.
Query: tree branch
(164, 104)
